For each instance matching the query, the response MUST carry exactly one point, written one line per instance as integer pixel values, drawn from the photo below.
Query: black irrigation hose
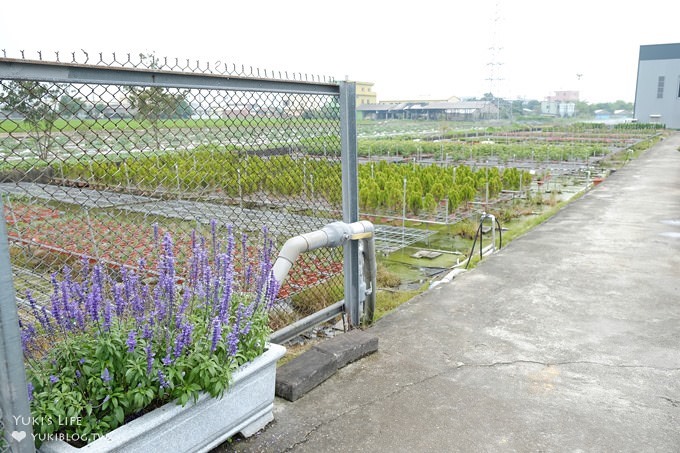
(472, 250)
(500, 234)
(479, 234)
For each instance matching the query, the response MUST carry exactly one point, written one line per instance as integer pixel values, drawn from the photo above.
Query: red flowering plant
(103, 352)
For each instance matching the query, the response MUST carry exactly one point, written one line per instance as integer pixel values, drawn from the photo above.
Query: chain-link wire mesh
(4, 441)
(91, 171)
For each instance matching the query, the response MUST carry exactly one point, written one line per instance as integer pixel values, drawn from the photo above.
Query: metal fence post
(350, 196)
(16, 413)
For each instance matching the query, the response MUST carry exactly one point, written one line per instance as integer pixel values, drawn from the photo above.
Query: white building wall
(649, 107)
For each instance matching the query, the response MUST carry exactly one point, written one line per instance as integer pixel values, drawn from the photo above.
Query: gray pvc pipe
(332, 235)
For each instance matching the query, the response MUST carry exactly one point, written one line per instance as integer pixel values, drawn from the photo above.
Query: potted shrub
(158, 358)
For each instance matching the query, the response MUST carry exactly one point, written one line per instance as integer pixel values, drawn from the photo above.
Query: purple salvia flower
(78, 374)
(182, 308)
(53, 379)
(272, 291)
(131, 341)
(129, 285)
(149, 358)
(78, 294)
(46, 319)
(247, 327)
(227, 291)
(53, 281)
(106, 377)
(147, 331)
(265, 253)
(30, 388)
(183, 340)
(232, 341)
(166, 281)
(179, 345)
(95, 298)
(27, 335)
(249, 276)
(33, 305)
(40, 314)
(162, 381)
(107, 315)
(85, 269)
(167, 360)
(160, 308)
(118, 300)
(56, 309)
(66, 308)
(81, 361)
(216, 333)
(137, 304)
(79, 318)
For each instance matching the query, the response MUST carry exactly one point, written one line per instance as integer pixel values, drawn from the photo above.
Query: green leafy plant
(104, 352)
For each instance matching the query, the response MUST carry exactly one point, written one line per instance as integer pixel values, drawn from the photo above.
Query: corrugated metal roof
(467, 106)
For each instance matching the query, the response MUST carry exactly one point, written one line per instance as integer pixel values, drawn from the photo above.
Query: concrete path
(566, 340)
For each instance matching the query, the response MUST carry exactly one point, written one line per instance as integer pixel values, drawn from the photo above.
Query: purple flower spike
(216, 333)
(131, 341)
(54, 379)
(183, 340)
(232, 340)
(162, 381)
(30, 389)
(107, 315)
(106, 377)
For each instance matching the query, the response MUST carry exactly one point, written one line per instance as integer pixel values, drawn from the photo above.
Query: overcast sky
(425, 48)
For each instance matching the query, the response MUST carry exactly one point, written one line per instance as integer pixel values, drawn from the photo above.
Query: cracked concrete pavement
(568, 339)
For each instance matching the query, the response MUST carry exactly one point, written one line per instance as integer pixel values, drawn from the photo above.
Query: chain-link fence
(4, 445)
(96, 160)
(101, 160)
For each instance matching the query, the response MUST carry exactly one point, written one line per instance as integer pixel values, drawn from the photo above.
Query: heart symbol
(19, 435)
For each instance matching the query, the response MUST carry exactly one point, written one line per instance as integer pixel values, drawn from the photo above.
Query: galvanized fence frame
(189, 77)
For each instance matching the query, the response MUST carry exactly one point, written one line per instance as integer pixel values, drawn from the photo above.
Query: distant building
(561, 109)
(365, 94)
(562, 104)
(439, 110)
(420, 101)
(657, 93)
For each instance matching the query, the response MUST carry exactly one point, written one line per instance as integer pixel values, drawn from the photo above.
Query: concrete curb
(312, 367)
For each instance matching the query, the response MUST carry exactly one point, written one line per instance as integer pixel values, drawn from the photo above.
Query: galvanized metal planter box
(196, 427)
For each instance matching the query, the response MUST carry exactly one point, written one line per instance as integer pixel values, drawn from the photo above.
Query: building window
(659, 87)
